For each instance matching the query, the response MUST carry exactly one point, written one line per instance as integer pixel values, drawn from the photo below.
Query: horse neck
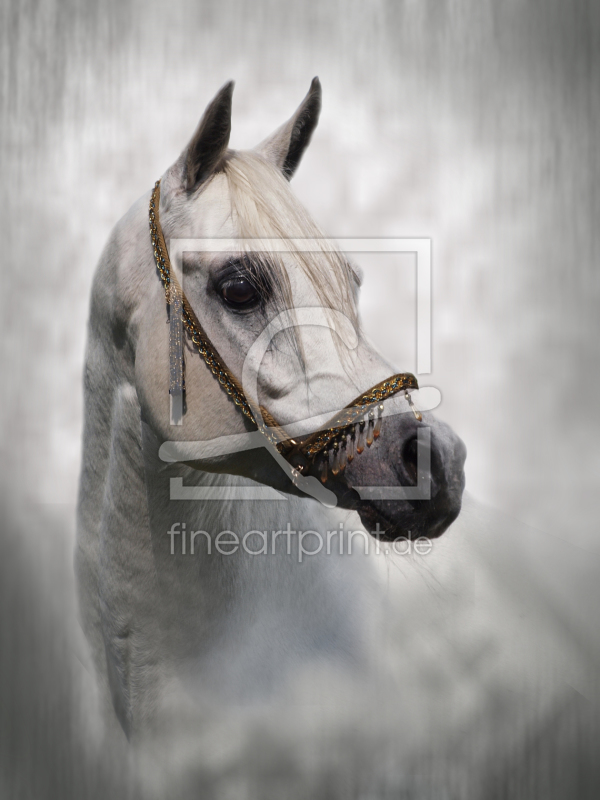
(210, 596)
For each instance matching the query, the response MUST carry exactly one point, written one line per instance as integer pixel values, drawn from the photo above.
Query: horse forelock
(264, 207)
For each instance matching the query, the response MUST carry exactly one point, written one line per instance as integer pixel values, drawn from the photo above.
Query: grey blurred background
(471, 122)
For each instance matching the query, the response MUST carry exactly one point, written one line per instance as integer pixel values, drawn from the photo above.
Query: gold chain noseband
(345, 435)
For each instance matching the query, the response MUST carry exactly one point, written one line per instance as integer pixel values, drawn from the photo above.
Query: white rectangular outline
(420, 246)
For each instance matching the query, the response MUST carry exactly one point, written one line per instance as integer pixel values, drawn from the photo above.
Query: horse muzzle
(408, 483)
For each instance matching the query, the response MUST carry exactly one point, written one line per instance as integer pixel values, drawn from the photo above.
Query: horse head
(280, 323)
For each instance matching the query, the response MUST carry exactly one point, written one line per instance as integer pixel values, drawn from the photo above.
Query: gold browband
(343, 436)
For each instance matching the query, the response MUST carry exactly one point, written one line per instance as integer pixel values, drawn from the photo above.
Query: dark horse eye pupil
(239, 292)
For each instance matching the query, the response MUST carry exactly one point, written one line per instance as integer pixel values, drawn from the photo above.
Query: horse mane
(264, 207)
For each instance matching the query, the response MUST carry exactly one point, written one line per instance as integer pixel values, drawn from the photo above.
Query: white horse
(203, 612)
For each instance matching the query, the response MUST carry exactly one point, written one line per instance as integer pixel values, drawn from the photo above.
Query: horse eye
(239, 292)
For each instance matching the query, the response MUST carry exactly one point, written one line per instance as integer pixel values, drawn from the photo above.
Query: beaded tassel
(378, 421)
(370, 424)
(324, 465)
(360, 442)
(350, 442)
(335, 462)
(342, 454)
(413, 408)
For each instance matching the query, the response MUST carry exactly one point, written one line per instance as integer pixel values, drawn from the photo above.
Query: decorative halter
(343, 436)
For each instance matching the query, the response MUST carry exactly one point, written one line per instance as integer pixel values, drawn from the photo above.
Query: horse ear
(286, 146)
(209, 142)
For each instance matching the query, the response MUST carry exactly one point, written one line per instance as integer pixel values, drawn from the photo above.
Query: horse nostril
(409, 459)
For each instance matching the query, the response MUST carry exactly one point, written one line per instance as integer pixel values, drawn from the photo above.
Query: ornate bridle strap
(336, 429)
